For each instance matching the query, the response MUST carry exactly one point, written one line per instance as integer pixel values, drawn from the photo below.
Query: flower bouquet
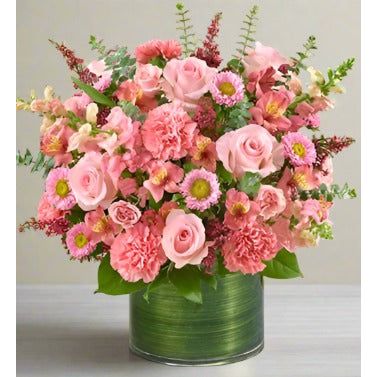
(189, 180)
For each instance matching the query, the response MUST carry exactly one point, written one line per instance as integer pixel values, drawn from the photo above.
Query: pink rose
(249, 149)
(147, 76)
(90, 182)
(183, 238)
(187, 80)
(124, 213)
(271, 201)
(263, 57)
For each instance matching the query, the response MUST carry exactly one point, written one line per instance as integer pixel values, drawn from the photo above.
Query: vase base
(206, 362)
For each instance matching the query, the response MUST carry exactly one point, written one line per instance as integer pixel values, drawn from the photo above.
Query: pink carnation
(168, 132)
(167, 49)
(247, 248)
(58, 189)
(137, 254)
(79, 241)
(299, 149)
(46, 211)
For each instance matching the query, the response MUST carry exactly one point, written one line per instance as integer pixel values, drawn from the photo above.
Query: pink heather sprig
(210, 52)
(56, 227)
(205, 115)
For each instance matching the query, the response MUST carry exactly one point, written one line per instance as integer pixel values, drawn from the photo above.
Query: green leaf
(224, 175)
(210, 280)
(39, 162)
(153, 204)
(111, 283)
(76, 215)
(161, 279)
(132, 111)
(188, 166)
(220, 268)
(283, 266)
(250, 183)
(94, 94)
(187, 281)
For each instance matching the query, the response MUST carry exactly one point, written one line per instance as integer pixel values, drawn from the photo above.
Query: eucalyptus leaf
(250, 183)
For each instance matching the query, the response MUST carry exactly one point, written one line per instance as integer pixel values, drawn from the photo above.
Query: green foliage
(111, 283)
(237, 116)
(158, 61)
(220, 268)
(132, 111)
(76, 215)
(121, 64)
(185, 26)
(153, 204)
(329, 193)
(283, 266)
(323, 230)
(210, 280)
(97, 45)
(309, 46)
(94, 94)
(224, 175)
(236, 66)
(179, 199)
(188, 166)
(40, 163)
(250, 183)
(336, 75)
(187, 281)
(247, 30)
(161, 279)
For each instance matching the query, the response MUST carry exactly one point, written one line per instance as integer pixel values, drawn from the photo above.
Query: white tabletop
(67, 331)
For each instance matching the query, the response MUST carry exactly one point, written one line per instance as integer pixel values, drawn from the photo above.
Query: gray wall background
(283, 24)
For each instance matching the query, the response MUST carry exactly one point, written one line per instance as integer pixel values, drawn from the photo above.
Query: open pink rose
(90, 182)
(124, 213)
(262, 57)
(249, 149)
(271, 201)
(147, 76)
(184, 239)
(187, 80)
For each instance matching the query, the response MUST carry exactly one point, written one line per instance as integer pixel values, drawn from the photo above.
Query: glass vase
(226, 328)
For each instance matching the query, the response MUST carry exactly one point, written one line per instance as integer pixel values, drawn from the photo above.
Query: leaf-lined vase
(225, 328)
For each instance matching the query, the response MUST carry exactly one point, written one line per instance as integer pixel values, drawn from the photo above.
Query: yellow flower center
(159, 177)
(62, 188)
(200, 189)
(298, 149)
(81, 240)
(201, 146)
(238, 209)
(54, 145)
(273, 109)
(227, 88)
(301, 181)
(100, 225)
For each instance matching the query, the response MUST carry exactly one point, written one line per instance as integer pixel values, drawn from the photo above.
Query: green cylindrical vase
(226, 328)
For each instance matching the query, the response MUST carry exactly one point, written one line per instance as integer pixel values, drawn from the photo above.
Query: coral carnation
(137, 254)
(247, 248)
(168, 132)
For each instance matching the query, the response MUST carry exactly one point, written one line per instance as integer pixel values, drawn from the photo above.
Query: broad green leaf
(111, 283)
(210, 280)
(76, 215)
(283, 266)
(187, 281)
(250, 183)
(220, 268)
(94, 94)
(162, 278)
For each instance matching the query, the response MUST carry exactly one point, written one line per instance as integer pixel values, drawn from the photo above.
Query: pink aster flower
(168, 132)
(247, 248)
(201, 189)
(58, 189)
(79, 241)
(137, 254)
(163, 177)
(204, 153)
(227, 88)
(240, 210)
(299, 149)
(269, 111)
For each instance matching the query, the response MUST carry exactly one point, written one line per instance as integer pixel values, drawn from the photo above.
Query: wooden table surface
(67, 331)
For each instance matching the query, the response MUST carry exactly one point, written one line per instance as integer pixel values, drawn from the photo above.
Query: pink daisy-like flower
(227, 88)
(79, 241)
(201, 189)
(58, 190)
(299, 149)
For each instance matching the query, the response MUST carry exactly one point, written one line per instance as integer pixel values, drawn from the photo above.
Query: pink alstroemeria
(269, 111)
(261, 82)
(101, 226)
(163, 177)
(241, 211)
(204, 153)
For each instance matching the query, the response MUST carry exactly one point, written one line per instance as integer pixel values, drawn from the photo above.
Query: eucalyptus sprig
(37, 164)
(97, 45)
(298, 62)
(188, 36)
